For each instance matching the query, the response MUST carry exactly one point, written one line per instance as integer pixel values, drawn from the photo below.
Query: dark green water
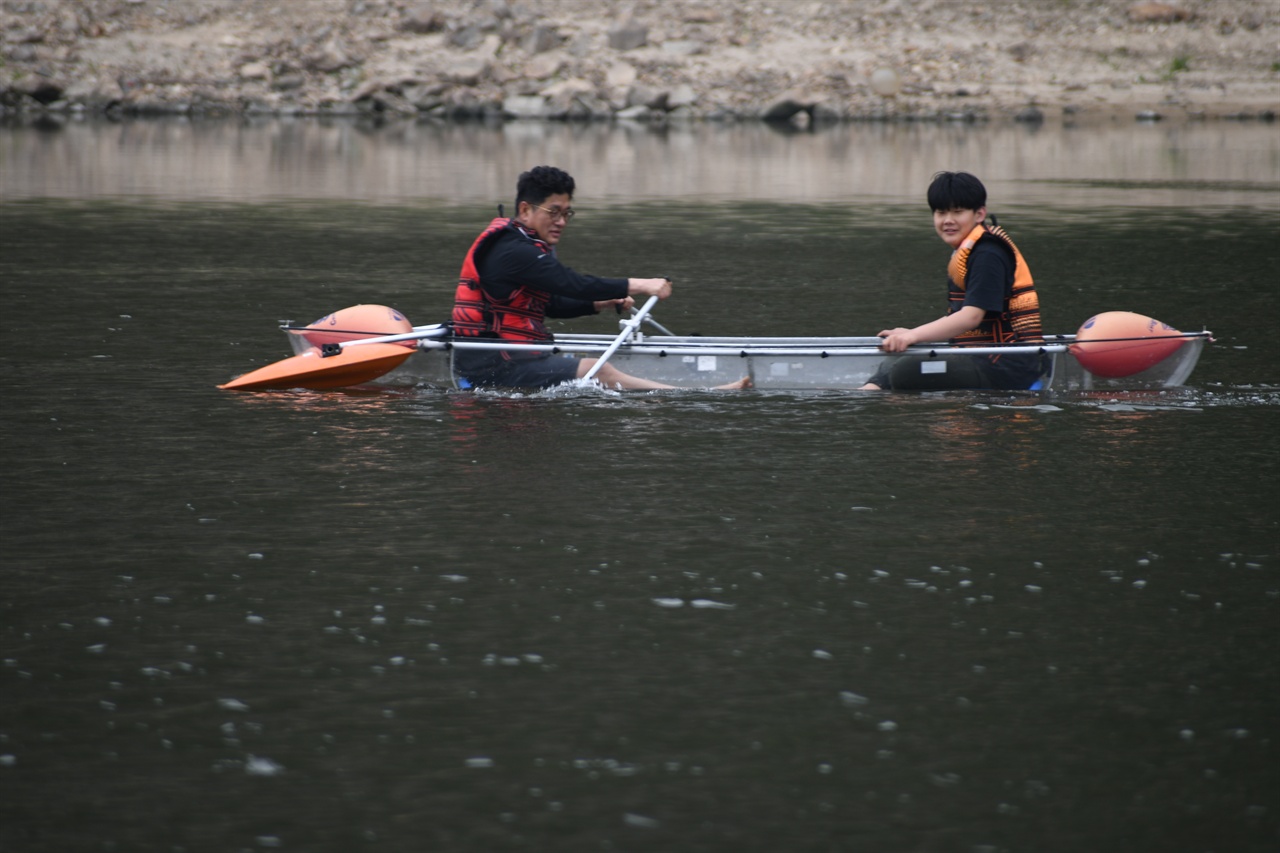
(582, 621)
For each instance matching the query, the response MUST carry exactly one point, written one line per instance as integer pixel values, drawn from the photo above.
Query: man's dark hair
(956, 191)
(541, 182)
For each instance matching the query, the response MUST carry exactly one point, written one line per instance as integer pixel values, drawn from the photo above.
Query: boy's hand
(896, 340)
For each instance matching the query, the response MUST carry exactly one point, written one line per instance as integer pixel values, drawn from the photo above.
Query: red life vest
(1020, 320)
(476, 314)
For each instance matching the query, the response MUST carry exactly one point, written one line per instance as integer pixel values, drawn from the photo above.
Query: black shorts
(541, 372)
(958, 372)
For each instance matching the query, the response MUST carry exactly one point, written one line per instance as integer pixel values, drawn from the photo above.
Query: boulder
(647, 97)
(37, 88)
(525, 106)
(326, 59)
(543, 66)
(702, 15)
(573, 87)
(682, 95)
(620, 75)
(467, 38)
(1157, 13)
(683, 47)
(786, 109)
(629, 36)
(639, 112)
(255, 71)
(541, 39)
(422, 19)
(468, 70)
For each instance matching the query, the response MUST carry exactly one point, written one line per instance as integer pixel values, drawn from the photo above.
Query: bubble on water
(708, 604)
(454, 578)
(669, 602)
(823, 655)
(8, 760)
(269, 841)
(1033, 588)
(479, 762)
(254, 619)
(257, 765)
(887, 726)
(229, 704)
(255, 556)
(853, 700)
(103, 621)
(640, 821)
(96, 648)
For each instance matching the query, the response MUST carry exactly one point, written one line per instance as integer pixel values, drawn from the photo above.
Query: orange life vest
(1020, 320)
(519, 317)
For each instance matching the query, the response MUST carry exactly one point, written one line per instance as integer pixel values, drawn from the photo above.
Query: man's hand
(659, 287)
(619, 305)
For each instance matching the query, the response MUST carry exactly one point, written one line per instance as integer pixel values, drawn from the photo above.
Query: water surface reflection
(1120, 162)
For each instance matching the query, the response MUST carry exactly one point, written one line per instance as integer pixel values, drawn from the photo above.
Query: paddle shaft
(438, 331)
(628, 329)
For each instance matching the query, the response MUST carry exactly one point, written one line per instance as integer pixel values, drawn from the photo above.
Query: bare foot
(741, 385)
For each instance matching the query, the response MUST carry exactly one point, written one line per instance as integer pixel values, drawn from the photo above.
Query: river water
(583, 621)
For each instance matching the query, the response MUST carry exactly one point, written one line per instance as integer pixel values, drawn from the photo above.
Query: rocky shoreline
(795, 61)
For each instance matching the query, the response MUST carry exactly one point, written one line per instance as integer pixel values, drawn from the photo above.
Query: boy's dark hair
(956, 191)
(541, 182)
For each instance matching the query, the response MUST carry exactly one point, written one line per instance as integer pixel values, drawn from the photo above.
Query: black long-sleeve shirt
(512, 261)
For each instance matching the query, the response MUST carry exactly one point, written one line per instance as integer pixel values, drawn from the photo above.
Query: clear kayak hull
(787, 363)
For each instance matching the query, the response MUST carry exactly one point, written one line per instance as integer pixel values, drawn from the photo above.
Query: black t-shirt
(989, 282)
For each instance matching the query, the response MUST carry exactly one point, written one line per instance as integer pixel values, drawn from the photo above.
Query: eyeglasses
(568, 212)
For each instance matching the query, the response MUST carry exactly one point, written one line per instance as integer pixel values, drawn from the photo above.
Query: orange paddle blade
(353, 366)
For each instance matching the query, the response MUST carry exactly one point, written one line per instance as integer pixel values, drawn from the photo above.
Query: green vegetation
(1179, 64)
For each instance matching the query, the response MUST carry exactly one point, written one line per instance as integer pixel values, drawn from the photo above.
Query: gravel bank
(797, 61)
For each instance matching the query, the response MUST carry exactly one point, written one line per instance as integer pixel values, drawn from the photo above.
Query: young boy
(991, 300)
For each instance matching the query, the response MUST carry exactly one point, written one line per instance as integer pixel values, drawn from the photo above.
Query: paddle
(419, 333)
(628, 328)
(659, 326)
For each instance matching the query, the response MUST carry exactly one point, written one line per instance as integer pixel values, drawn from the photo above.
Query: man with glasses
(511, 281)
